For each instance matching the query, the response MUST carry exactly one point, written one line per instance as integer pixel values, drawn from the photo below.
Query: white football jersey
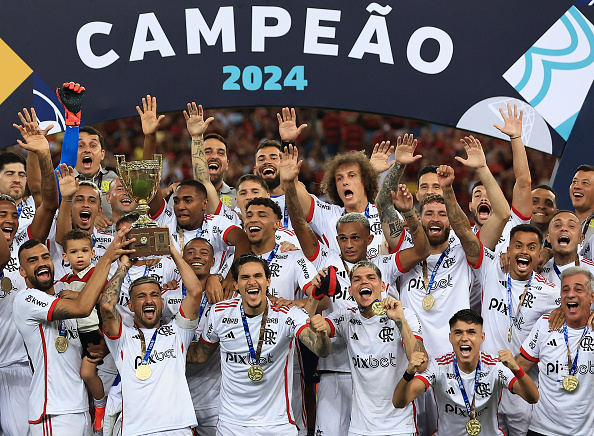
(214, 229)
(26, 210)
(291, 273)
(587, 248)
(280, 200)
(541, 297)
(549, 272)
(165, 393)
(243, 401)
(515, 219)
(451, 290)
(57, 387)
(324, 216)
(452, 414)
(559, 412)
(377, 359)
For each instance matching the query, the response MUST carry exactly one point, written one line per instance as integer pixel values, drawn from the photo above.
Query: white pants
(228, 429)
(71, 424)
(207, 421)
(333, 412)
(15, 381)
(514, 414)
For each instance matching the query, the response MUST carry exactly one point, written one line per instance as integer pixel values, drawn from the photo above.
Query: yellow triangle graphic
(13, 71)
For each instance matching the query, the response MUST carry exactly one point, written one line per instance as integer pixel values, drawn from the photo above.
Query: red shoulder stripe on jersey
(399, 244)
(50, 312)
(398, 264)
(546, 316)
(480, 259)
(159, 212)
(315, 255)
(488, 359)
(511, 384)
(206, 342)
(287, 231)
(424, 380)
(283, 309)
(332, 328)
(586, 261)
(227, 232)
(418, 337)
(303, 327)
(445, 357)
(219, 207)
(541, 279)
(353, 309)
(113, 338)
(312, 208)
(522, 217)
(445, 362)
(525, 354)
(44, 348)
(208, 217)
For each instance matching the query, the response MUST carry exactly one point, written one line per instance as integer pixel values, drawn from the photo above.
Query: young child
(78, 251)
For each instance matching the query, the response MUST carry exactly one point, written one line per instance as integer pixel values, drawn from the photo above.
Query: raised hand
(318, 324)
(507, 358)
(33, 135)
(417, 359)
(445, 176)
(402, 198)
(512, 126)
(71, 96)
(405, 149)
(195, 120)
(474, 151)
(287, 125)
(394, 309)
(120, 248)
(380, 155)
(148, 115)
(290, 164)
(67, 182)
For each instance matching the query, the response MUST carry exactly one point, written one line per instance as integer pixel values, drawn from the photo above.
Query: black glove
(71, 96)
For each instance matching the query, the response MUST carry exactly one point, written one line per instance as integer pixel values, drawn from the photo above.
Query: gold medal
(6, 285)
(143, 372)
(509, 334)
(570, 383)
(255, 373)
(378, 309)
(428, 302)
(61, 344)
(473, 427)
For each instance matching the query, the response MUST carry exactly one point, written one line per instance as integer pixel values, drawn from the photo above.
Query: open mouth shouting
(523, 263)
(348, 194)
(465, 350)
(149, 312)
(268, 171)
(435, 229)
(87, 162)
(253, 230)
(43, 274)
(573, 306)
(85, 217)
(7, 230)
(563, 240)
(484, 211)
(213, 166)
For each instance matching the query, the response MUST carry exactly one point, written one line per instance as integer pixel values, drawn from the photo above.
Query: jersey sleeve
(506, 377)
(530, 348)
(209, 332)
(413, 322)
(320, 215)
(225, 211)
(223, 227)
(185, 328)
(587, 248)
(337, 320)
(296, 321)
(430, 375)
(165, 217)
(305, 272)
(115, 343)
(34, 306)
(488, 261)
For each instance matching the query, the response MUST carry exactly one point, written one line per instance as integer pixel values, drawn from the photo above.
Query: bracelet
(515, 137)
(69, 201)
(519, 373)
(409, 213)
(407, 377)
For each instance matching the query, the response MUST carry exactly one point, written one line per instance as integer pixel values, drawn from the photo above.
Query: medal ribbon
(558, 271)
(286, 217)
(143, 349)
(62, 328)
(469, 409)
(363, 309)
(509, 299)
(366, 211)
(254, 355)
(429, 283)
(272, 254)
(146, 270)
(20, 208)
(573, 365)
(180, 232)
(202, 303)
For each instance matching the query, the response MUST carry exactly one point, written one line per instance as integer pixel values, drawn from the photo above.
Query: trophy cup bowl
(141, 179)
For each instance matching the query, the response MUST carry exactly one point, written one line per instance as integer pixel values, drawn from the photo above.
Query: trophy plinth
(141, 180)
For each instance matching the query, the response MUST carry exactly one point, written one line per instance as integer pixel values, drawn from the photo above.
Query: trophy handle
(159, 158)
(120, 162)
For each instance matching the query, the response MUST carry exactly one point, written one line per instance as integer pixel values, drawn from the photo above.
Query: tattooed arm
(199, 351)
(315, 337)
(190, 306)
(111, 295)
(458, 219)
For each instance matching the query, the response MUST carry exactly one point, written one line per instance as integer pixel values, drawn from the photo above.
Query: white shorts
(333, 412)
(70, 424)
(207, 421)
(514, 414)
(179, 432)
(15, 381)
(228, 429)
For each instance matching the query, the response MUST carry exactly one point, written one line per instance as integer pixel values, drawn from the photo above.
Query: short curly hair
(369, 177)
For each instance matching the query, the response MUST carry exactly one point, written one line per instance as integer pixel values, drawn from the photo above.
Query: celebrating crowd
(277, 313)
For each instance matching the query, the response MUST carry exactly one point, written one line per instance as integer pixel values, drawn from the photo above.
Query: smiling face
(9, 220)
(260, 224)
(147, 304)
(565, 233)
(13, 179)
(252, 285)
(118, 198)
(353, 239)
(480, 206)
(435, 222)
(466, 339)
(78, 252)
(581, 191)
(90, 154)
(37, 267)
(199, 255)
(189, 207)
(349, 186)
(523, 252)
(576, 299)
(428, 184)
(216, 158)
(366, 286)
(543, 206)
(247, 191)
(86, 206)
(267, 164)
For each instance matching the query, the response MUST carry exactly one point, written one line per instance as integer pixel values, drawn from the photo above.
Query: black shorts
(92, 337)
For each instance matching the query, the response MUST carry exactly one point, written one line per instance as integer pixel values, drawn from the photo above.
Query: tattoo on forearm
(61, 313)
(383, 201)
(320, 345)
(460, 224)
(111, 293)
(297, 219)
(199, 161)
(49, 187)
(419, 346)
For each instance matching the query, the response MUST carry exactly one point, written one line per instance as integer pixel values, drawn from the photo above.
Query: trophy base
(151, 243)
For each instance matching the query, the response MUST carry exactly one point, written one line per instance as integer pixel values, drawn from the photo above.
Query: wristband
(515, 137)
(409, 213)
(407, 377)
(519, 373)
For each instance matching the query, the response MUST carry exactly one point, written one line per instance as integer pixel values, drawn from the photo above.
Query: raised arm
(107, 306)
(493, 227)
(68, 187)
(316, 336)
(196, 128)
(524, 386)
(289, 170)
(512, 127)
(199, 351)
(395, 312)
(36, 143)
(403, 155)
(190, 306)
(410, 388)
(458, 219)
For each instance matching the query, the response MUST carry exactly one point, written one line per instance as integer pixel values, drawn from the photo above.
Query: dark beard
(434, 241)
(42, 286)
